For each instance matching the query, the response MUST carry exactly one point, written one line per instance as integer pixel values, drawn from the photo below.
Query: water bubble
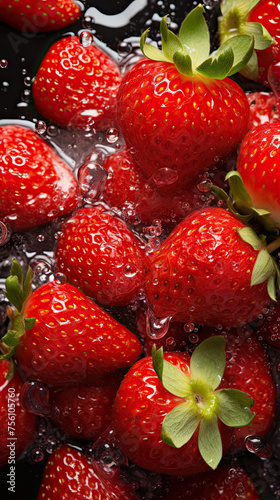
(40, 127)
(157, 327)
(152, 245)
(35, 398)
(27, 81)
(24, 71)
(88, 22)
(92, 180)
(193, 338)
(37, 454)
(26, 95)
(52, 130)
(40, 238)
(112, 135)
(5, 233)
(124, 48)
(60, 277)
(86, 38)
(220, 203)
(130, 270)
(258, 446)
(3, 63)
(204, 186)
(188, 327)
(165, 177)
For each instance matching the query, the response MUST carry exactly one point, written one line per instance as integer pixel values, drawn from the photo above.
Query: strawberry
(168, 415)
(177, 110)
(206, 252)
(228, 482)
(134, 197)
(257, 18)
(98, 253)
(76, 85)
(263, 108)
(64, 336)
(268, 327)
(37, 186)
(18, 427)
(84, 410)
(35, 16)
(68, 474)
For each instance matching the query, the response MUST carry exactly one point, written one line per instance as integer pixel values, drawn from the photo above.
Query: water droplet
(24, 71)
(3, 63)
(258, 446)
(124, 48)
(27, 81)
(35, 398)
(112, 135)
(52, 130)
(204, 186)
(193, 338)
(40, 237)
(5, 233)
(60, 277)
(152, 245)
(26, 95)
(220, 203)
(37, 454)
(92, 180)
(88, 22)
(188, 327)
(165, 177)
(40, 127)
(86, 38)
(130, 270)
(156, 327)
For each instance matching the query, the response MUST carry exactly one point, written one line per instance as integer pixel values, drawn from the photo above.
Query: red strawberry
(84, 410)
(268, 327)
(18, 427)
(68, 474)
(98, 253)
(168, 416)
(263, 108)
(76, 85)
(175, 111)
(37, 186)
(258, 165)
(70, 340)
(228, 482)
(205, 253)
(135, 197)
(35, 16)
(260, 19)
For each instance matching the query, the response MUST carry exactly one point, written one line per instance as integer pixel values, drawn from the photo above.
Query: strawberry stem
(274, 245)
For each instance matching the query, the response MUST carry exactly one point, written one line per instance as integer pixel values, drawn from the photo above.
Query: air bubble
(35, 398)
(40, 127)
(60, 277)
(86, 38)
(258, 446)
(37, 454)
(40, 238)
(3, 63)
(204, 186)
(188, 327)
(52, 131)
(193, 338)
(112, 135)
(26, 95)
(165, 177)
(124, 48)
(92, 180)
(88, 22)
(27, 81)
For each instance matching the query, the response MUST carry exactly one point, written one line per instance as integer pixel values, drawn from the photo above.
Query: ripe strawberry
(84, 410)
(37, 186)
(98, 253)
(76, 86)
(260, 19)
(228, 482)
(268, 327)
(130, 193)
(202, 273)
(69, 338)
(168, 416)
(263, 108)
(35, 16)
(175, 110)
(257, 163)
(68, 474)
(18, 427)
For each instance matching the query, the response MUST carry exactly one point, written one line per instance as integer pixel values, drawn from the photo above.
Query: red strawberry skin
(202, 253)
(76, 86)
(228, 482)
(18, 427)
(98, 253)
(263, 108)
(84, 410)
(37, 15)
(258, 165)
(73, 339)
(69, 475)
(37, 186)
(140, 406)
(182, 123)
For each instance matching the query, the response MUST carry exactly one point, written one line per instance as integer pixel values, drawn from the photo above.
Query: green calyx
(189, 51)
(18, 289)
(233, 22)
(202, 405)
(259, 222)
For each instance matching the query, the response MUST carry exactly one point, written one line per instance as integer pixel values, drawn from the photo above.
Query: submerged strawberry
(170, 414)
(76, 86)
(60, 336)
(177, 110)
(263, 108)
(37, 186)
(36, 16)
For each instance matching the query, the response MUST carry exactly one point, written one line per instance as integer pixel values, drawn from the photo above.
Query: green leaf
(262, 38)
(194, 35)
(243, 46)
(234, 407)
(263, 268)
(11, 372)
(210, 442)
(183, 63)
(208, 361)
(271, 288)
(172, 379)
(14, 292)
(27, 284)
(17, 271)
(179, 425)
(251, 70)
(170, 42)
(12, 337)
(150, 51)
(239, 192)
(29, 323)
(218, 65)
(248, 235)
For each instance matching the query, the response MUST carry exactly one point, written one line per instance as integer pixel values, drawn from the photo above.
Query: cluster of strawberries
(178, 404)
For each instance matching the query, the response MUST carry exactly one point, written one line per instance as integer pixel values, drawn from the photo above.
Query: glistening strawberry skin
(205, 254)
(184, 123)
